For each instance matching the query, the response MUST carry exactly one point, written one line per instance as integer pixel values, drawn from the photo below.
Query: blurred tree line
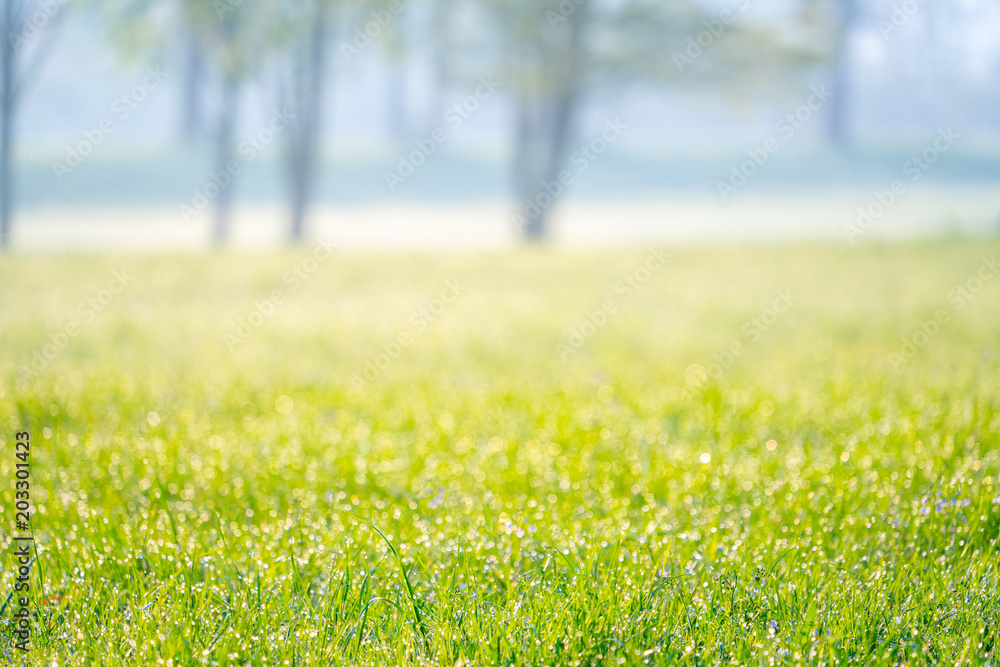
(554, 58)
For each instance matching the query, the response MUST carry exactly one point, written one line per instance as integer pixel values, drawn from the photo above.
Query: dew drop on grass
(283, 404)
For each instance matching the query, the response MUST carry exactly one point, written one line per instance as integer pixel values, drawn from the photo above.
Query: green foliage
(236, 35)
(814, 505)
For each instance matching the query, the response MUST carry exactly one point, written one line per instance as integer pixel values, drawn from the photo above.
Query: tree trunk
(536, 226)
(308, 78)
(11, 92)
(541, 146)
(6, 122)
(224, 151)
(544, 188)
(6, 177)
(523, 166)
(298, 149)
(838, 126)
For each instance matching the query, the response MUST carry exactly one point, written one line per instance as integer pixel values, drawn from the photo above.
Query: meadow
(759, 455)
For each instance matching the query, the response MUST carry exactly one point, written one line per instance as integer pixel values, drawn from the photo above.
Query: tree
(838, 126)
(552, 55)
(226, 36)
(304, 37)
(28, 31)
(231, 38)
(544, 64)
(819, 33)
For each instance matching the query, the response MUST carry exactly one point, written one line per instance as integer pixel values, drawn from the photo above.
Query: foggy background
(898, 74)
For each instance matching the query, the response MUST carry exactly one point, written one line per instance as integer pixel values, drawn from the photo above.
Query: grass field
(783, 455)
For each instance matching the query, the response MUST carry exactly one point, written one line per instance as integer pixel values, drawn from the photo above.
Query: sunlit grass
(484, 502)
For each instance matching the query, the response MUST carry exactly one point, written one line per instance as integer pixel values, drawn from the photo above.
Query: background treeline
(551, 60)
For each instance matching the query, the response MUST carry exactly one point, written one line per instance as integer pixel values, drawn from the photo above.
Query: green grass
(484, 502)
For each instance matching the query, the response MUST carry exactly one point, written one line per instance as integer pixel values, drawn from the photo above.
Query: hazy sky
(939, 65)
